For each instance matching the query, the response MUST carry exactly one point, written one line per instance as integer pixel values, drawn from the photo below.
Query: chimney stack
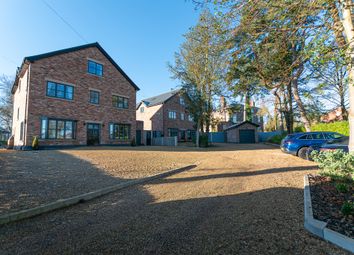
(222, 103)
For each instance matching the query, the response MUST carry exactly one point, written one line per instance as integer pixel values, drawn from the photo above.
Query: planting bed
(327, 203)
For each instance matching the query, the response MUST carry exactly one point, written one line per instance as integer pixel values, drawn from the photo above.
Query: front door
(138, 137)
(183, 135)
(148, 138)
(93, 134)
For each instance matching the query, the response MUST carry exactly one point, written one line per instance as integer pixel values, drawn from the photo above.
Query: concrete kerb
(318, 228)
(62, 203)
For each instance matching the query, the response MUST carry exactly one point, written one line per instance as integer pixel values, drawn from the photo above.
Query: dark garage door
(247, 136)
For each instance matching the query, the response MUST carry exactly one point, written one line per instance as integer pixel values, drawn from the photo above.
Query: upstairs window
(181, 101)
(234, 118)
(142, 109)
(59, 90)
(182, 116)
(172, 115)
(94, 97)
(95, 68)
(120, 102)
(190, 117)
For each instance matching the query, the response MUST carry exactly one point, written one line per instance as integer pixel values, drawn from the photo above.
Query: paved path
(236, 201)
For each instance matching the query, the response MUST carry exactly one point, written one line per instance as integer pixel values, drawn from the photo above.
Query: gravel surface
(242, 199)
(327, 202)
(31, 178)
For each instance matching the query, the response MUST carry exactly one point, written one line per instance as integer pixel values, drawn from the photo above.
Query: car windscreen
(289, 137)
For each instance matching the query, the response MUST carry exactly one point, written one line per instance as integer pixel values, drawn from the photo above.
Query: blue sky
(140, 35)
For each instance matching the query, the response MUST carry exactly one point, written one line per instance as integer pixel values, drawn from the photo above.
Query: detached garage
(245, 132)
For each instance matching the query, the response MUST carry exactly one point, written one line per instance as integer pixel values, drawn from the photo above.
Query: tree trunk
(341, 91)
(297, 98)
(290, 120)
(351, 110)
(278, 112)
(347, 23)
(197, 135)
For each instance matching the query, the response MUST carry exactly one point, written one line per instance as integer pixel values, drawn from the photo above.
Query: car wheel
(302, 153)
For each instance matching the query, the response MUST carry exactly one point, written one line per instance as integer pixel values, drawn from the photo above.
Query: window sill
(96, 75)
(120, 108)
(62, 99)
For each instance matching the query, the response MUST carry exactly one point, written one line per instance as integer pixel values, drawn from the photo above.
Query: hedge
(341, 127)
(277, 138)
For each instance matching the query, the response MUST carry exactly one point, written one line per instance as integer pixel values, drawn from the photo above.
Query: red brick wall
(71, 68)
(173, 104)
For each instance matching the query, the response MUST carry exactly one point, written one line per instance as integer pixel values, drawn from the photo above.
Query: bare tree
(6, 102)
(332, 85)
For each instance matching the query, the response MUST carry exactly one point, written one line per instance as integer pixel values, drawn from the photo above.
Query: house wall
(20, 109)
(173, 104)
(152, 117)
(71, 68)
(233, 135)
(156, 117)
(224, 118)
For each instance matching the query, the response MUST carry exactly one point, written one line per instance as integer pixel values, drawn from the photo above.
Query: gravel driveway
(31, 178)
(241, 199)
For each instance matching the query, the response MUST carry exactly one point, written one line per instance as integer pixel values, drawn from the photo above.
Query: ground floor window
(57, 129)
(119, 131)
(172, 132)
(157, 134)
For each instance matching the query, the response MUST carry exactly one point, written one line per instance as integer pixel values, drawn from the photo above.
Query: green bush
(336, 164)
(299, 129)
(348, 208)
(35, 143)
(277, 138)
(342, 187)
(341, 127)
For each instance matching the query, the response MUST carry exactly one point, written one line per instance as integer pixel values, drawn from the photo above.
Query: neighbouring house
(165, 115)
(74, 96)
(227, 116)
(334, 115)
(4, 135)
(244, 132)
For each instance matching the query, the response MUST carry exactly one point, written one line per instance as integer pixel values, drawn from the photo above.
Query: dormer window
(95, 68)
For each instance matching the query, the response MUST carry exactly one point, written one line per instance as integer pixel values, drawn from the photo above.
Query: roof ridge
(175, 90)
(84, 46)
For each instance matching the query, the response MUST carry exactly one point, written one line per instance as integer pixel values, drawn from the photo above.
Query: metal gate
(217, 137)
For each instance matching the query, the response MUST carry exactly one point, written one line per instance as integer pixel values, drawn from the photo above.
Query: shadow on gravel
(32, 178)
(238, 174)
(131, 222)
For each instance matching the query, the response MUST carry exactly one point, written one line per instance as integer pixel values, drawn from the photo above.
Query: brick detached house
(227, 116)
(75, 96)
(165, 115)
